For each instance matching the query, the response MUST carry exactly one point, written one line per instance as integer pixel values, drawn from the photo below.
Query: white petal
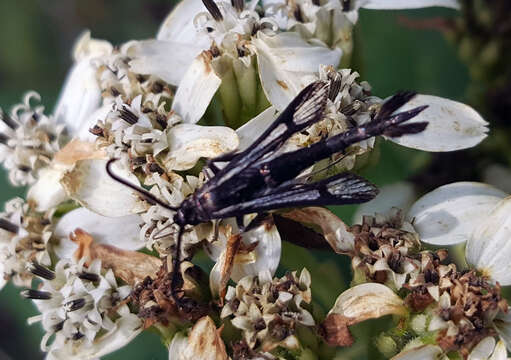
(121, 232)
(90, 185)
(368, 301)
(489, 248)
(47, 191)
(483, 349)
(451, 125)
(177, 346)
(502, 324)
(81, 94)
(426, 352)
(400, 195)
(189, 142)
(204, 342)
(288, 63)
(83, 132)
(167, 60)
(500, 352)
(449, 214)
(267, 252)
(248, 133)
(196, 89)
(406, 4)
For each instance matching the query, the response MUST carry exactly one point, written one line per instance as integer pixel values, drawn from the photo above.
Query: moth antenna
(146, 195)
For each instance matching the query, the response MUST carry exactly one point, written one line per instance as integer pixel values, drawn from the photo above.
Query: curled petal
(178, 25)
(189, 142)
(90, 185)
(489, 248)
(120, 231)
(425, 352)
(204, 342)
(400, 195)
(451, 125)
(333, 229)
(196, 89)
(368, 301)
(449, 214)
(288, 63)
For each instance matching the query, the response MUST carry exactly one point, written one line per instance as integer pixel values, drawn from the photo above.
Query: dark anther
(346, 5)
(128, 116)
(36, 294)
(97, 130)
(88, 276)
(76, 304)
(161, 120)
(316, 2)
(298, 14)
(153, 167)
(156, 88)
(259, 325)
(239, 5)
(24, 168)
(36, 117)
(213, 9)
(3, 139)
(59, 326)
(115, 92)
(78, 336)
(8, 120)
(141, 78)
(8, 226)
(41, 271)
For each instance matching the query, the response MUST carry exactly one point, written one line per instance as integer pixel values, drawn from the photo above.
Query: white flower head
(28, 140)
(24, 238)
(82, 306)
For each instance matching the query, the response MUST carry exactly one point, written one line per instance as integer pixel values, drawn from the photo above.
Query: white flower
(222, 51)
(28, 140)
(82, 306)
(24, 238)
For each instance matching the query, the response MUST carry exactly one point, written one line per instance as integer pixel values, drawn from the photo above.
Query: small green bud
(418, 323)
(386, 345)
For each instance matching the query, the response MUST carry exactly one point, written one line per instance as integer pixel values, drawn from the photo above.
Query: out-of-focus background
(395, 51)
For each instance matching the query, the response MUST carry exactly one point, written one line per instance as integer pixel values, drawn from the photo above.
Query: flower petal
(167, 60)
(405, 4)
(288, 63)
(483, 349)
(400, 195)
(500, 352)
(368, 301)
(502, 323)
(127, 327)
(247, 133)
(189, 142)
(122, 232)
(426, 352)
(449, 214)
(196, 89)
(204, 342)
(47, 192)
(178, 25)
(81, 94)
(90, 185)
(489, 248)
(451, 125)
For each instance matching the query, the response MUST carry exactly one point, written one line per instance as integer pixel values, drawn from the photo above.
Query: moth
(263, 177)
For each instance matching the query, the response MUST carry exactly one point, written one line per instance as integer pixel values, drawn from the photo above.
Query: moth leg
(177, 282)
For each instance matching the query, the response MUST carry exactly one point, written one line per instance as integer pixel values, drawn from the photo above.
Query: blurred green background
(37, 36)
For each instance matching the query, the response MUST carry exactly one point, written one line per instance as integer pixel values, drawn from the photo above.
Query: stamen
(8, 120)
(36, 294)
(41, 271)
(3, 138)
(8, 226)
(128, 116)
(59, 326)
(89, 276)
(213, 9)
(239, 5)
(346, 5)
(78, 336)
(75, 304)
